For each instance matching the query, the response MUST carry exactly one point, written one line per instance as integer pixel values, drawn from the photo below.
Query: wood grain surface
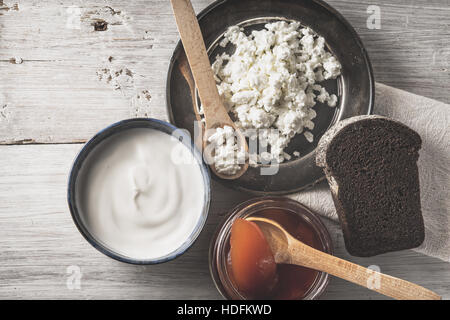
(61, 81)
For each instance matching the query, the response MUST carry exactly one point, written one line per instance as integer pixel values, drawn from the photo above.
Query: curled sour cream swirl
(136, 197)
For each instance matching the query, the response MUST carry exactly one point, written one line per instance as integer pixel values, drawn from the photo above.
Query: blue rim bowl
(99, 138)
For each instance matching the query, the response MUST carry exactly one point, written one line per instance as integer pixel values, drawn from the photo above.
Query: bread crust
(322, 160)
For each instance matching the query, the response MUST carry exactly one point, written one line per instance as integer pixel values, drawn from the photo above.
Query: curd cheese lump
(271, 81)
(228, 157)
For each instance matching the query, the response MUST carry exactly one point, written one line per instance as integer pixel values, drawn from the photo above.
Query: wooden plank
(39, 241)
(52, 94)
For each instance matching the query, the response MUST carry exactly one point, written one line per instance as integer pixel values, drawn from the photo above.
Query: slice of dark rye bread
(371, 166)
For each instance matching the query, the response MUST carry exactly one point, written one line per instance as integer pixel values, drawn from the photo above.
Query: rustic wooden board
(52, 94)
(39, 241)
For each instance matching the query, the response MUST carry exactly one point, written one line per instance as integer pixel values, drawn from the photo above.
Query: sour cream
(137, 197)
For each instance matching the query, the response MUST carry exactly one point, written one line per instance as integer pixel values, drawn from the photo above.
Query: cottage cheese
(227, 155)
(271, 81)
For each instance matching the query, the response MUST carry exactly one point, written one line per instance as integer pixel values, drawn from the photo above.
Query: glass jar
(220, 244)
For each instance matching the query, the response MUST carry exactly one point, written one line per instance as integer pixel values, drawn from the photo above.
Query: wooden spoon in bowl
(286, 249)
(214, 111)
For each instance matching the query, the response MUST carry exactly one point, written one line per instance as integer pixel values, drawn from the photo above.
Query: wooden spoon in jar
(214, 111)
(286, 249)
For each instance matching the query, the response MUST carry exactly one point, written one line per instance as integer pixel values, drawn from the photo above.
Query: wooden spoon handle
(195, 49)
(373, 280)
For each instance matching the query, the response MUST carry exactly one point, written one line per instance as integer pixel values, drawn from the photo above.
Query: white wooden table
(51, 101)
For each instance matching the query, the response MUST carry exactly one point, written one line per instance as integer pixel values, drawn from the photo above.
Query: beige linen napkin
(431, 119)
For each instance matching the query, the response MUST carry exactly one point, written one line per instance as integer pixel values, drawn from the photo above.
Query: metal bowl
(73, 197)
(355, 87)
